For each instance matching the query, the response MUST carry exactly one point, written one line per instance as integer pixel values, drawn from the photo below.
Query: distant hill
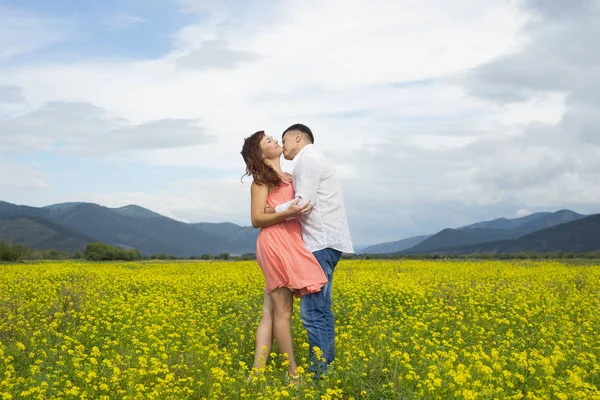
(241, 238)
(223, 229)
(148, 235)
(581, 235)
(136, 211)
(70, 226)
(40, 234)
(505, 223)
(136, 227)
(454, 237)
(9, 210)
(478, 233)
(396, 246)
(63, 206)
(547, 221)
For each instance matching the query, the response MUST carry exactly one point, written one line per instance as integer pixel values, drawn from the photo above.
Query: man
(324, 231)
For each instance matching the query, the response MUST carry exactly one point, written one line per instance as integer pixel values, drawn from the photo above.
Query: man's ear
(298, 137)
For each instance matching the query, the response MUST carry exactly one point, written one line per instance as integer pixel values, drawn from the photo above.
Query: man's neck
(304, 146)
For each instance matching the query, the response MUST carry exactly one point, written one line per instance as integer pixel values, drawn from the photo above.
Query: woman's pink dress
(281, 254)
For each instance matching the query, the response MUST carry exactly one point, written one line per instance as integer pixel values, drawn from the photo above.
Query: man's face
(290, 144)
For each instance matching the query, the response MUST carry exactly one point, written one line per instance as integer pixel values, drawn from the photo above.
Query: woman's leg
(264, 334)
(283, 304)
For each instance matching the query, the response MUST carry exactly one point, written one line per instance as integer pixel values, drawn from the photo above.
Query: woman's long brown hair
(262, 173)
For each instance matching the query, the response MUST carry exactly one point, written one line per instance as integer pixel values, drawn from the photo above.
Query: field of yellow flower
(405, 329)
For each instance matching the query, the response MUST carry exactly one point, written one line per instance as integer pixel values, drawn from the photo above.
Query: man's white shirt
(316, 180)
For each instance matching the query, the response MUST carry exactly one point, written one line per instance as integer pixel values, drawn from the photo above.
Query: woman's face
(270, 148)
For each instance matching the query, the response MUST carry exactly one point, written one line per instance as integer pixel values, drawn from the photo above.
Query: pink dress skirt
(281, 254)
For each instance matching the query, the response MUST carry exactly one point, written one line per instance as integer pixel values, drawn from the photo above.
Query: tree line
(476, 256)
(101, 252)
(104, 252)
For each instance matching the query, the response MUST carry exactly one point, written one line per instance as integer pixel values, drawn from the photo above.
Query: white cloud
(203, 200)
(123, 20)
(82, 128)
(24, 183)
(431, 110)
(215, 54)
(203, 6)
(11, 94)
(21, 32)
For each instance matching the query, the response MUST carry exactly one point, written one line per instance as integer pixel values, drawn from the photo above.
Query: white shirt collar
(302, 151)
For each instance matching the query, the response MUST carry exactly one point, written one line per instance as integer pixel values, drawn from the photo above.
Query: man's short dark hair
(302, 128)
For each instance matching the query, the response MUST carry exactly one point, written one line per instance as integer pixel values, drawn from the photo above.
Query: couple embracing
(303, 233)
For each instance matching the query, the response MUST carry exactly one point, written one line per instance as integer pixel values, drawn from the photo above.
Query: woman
(289, 268)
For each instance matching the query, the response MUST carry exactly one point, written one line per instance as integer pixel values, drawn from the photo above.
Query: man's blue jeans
(316, 315)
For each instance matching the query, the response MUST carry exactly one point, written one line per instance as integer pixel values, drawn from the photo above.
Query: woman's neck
(275, 164)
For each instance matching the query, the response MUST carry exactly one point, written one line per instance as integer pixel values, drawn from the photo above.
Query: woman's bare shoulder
(260, 188)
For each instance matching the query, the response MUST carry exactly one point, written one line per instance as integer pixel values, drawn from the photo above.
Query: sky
(435, 114)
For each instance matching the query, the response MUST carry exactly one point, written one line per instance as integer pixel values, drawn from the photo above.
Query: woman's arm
(259, 219)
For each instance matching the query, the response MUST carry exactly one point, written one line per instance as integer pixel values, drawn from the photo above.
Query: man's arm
(280, 207)
(283, 207)
(306, 183)
(260, 219)
(307, 177)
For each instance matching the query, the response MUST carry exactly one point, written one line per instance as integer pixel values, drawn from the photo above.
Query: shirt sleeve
(283, 206)
(307, 176)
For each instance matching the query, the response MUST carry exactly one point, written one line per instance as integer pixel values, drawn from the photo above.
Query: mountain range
(561, 231)
(579, 236)
(71, 226)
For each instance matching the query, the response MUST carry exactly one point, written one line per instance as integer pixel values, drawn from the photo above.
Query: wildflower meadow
(405, 330)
